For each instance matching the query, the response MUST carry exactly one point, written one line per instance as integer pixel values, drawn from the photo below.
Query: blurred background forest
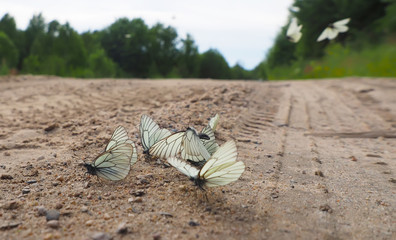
(131, 48)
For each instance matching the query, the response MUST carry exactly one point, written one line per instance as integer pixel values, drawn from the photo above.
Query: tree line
(126, 48)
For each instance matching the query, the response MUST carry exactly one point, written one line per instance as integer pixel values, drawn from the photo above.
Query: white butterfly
(188, 143)
(211, 144)
(114, 164)
(213, 122)
(221, 169)
(334, 29)
(150, 132)
(294, 31)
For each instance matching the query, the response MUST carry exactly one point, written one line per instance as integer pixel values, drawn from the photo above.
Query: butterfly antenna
(206, 197)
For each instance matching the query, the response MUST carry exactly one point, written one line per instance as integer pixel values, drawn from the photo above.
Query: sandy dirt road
(320, 157)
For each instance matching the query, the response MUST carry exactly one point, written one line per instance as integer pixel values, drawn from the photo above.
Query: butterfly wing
(193, 148)
(185, 168)
(332, 33)
(294, 31)
(341, 25)
(228, 174)
(134, 156)
(329, 33)
(222, 168)
(160, 134)
(211, 144)
(115, 163)
(168, 147)
(214, 121)
(292, 27)
(120, 135)
(150, 132)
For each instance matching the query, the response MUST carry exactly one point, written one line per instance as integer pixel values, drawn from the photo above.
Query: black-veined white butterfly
(334, 29)
(294, 31)
(115, 162)
(150, 132)
(188, 143)
(210, 144)
(213, 122)
(221, 169)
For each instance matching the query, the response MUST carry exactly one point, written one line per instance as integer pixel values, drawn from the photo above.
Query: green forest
(130, 48)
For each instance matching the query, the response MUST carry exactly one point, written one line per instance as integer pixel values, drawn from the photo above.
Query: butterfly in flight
(294, 31)
(334, 29)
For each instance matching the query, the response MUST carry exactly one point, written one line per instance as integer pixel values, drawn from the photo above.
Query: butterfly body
(90, 169)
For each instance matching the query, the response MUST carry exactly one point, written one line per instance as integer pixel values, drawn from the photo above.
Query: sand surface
(320, 157)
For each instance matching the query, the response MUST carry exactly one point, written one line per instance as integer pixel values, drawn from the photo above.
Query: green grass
(340, 61)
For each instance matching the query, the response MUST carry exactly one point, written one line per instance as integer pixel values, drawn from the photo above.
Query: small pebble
(319, 173)
(6, 177)
(135, 200)
(122, 228)
(40, 158)
(193, 223)
(166, 214)
(89, 222)
(31, 181)
(41, 210)
(10, 205)
(157, 236)
(51, 127)
(58, 206)
(274, 195)
(106, 216)
(26, 190)
(9, 226)
(53, 224)
(52, 214)
(326, 208)
(7, 154)
(101, 236)
(84, 209)
(48, 236)
(60, 179)
(137, 193)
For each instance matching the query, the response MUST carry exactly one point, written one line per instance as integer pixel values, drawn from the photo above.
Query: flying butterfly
(150, 133)
(334, 29)
(294, 31)
(188, 143)
(115, 162)
(221, 169)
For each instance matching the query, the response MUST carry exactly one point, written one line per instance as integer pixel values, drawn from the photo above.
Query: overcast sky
(242, 31)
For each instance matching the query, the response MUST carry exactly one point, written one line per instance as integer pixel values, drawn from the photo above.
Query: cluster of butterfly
(217, 165)
(331, 31)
